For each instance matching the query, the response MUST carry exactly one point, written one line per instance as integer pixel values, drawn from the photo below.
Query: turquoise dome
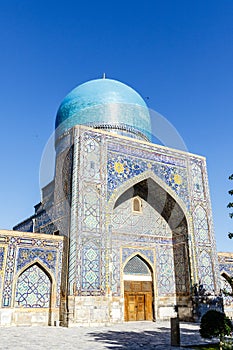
(105, 104)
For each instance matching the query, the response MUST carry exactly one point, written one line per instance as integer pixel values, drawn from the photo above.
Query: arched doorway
(137, 290)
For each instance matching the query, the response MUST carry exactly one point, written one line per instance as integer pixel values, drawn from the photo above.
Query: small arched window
(137, 205)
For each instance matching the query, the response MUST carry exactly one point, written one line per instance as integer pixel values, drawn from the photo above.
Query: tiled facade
(116, 200)
(30, 277)
(97, 176)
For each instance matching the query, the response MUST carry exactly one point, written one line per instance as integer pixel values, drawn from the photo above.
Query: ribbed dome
(105, 104)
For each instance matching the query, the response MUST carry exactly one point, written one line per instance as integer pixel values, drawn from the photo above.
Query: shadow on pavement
(147, 339)
(133, 339)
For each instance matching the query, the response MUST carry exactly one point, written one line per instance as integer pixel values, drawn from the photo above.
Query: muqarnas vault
(122, 233)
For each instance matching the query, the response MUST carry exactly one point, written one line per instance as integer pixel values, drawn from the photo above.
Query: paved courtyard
(130, 335)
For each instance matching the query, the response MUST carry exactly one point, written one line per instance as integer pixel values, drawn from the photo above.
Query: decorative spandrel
(122, 168)
(148, 253)
(47, 257)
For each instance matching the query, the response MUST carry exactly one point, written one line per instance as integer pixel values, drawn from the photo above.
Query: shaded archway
(165, 204)
(159, 199)
(138, 290)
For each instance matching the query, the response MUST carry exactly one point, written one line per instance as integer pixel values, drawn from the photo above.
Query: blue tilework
(47, 257)
(122, 168)
(33, 288)
(127, 252)
(90, 267)
(2, 252)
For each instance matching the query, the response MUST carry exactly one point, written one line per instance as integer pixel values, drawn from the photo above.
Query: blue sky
(177, 54)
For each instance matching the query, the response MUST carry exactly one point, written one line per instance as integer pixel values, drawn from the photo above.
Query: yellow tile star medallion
(119, 167)
(177, 179)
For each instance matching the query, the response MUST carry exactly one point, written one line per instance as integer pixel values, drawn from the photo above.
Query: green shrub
(215, 324)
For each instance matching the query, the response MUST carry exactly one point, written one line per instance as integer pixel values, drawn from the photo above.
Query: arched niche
(173, 211)
(137, 205)
(33, 287)
(138, 289)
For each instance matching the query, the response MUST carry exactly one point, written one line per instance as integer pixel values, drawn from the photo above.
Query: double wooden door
(138, 304)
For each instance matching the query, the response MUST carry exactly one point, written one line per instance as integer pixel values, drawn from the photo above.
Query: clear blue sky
(178, 53)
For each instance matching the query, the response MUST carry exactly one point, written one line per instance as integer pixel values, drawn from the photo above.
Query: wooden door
(131, 307)
(140, 307)
(138, 301)
(148, 306)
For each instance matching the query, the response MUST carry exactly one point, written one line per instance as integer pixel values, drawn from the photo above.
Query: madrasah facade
(123, 232)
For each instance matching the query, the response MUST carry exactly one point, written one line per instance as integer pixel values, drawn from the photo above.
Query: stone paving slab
(129, 335)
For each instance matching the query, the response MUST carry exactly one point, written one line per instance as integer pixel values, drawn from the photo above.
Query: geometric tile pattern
(197, 180)
(226, 263)
(205, 269)
(74, 253)
(91, 159)
(165, 270)
(90, 267)
(148, 222)
(9, 274)
(33, 288)
(116, 288)
(136, 266)
(148, 253)
(91, 209)
(202, 240)
(25, 250)
(85, 256)
(200, 225)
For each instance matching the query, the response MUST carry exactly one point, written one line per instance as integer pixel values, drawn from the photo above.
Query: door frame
(140, 278)
(148, 309)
